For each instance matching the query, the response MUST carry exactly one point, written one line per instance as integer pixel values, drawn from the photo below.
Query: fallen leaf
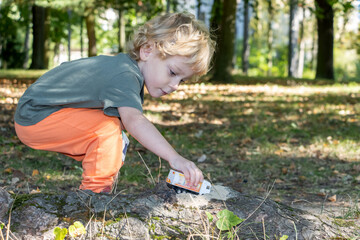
(278, 180)
(302, 178)
(332, 198)
(284, 170)
(279, 152)
(8, 170)
(35, 172)
(35, 191)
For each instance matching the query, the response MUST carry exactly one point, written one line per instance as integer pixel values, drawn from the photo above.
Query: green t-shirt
(102, 82)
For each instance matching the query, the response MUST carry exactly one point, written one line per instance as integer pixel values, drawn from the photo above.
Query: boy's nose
(174, 85)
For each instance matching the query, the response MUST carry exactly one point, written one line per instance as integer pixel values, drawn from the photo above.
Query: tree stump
(161, 214)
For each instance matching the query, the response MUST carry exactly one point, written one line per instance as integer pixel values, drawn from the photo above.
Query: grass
(20, 74)
(303, 137)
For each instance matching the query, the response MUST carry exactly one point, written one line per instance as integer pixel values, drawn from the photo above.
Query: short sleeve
(123, 90)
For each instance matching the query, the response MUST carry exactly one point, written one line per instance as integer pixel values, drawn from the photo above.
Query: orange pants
(87, 135)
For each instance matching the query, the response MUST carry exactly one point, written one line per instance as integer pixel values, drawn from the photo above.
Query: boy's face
(162, 76)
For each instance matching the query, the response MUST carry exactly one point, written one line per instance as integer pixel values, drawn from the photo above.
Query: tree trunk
(325, 55)
(69, 34)
(47, 38)
(168, 3)
(301, 60)
(26, 46)
(39, 37)
(200, 14)
(226, 41)
(121, 32)
(313, 51)
(292, 48)
(90, 27)
(246, 46)
(81, 36)
(269, 39)
(161, 213)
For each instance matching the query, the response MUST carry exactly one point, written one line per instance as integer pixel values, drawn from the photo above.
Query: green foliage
(77, 229)
(209, 216)
(227, 220)
(12, 27)
(60, 233)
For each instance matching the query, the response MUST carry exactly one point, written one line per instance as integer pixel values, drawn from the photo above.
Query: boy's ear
(146, 50)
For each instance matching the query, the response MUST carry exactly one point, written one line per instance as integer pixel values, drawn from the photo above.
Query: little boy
(81, 107)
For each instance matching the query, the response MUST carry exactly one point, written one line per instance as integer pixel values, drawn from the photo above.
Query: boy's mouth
(163, 92)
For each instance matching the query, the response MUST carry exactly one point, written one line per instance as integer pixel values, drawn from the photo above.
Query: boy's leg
(87, 135)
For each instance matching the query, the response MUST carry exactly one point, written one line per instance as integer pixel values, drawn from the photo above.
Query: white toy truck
(177, 181)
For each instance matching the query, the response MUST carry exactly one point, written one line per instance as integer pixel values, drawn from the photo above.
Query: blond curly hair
(176, 34)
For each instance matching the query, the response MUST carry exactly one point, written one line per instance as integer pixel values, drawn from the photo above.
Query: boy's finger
(186, 174)
(199, 177)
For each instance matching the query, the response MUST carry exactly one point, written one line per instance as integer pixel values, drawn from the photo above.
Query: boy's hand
(193, 174)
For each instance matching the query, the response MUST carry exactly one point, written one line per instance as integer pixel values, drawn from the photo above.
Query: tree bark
(246, 46)
(90, 27)
(121, 31)
(301, 59)
(325, 27)
(26, 46)
(69, 12)
(226, 41)
(39, 37)
(269, 39)
(293, 38)
(81, 36)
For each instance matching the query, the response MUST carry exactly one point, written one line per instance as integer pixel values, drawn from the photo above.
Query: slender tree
(325, 29)
(269, 37)
(226, 40)
(293, 39)
(246, 46)
(301, 59)
(40, 15)
(90, 27)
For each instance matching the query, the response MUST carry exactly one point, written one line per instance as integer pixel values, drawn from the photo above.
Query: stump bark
(160, 214)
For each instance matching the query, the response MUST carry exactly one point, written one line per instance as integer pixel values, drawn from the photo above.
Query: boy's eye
(172, 73)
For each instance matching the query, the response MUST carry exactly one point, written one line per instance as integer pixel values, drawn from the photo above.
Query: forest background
(280, 107)
(279, 38)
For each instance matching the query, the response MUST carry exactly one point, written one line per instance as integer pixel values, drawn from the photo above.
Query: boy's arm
(146, 133)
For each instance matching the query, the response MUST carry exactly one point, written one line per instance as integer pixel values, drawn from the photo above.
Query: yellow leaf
(302, 178)
(8, 170)
(48, 177)
(35, 172)
(332, 198)
(278, 152)
(278, 181)
(35, 191)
